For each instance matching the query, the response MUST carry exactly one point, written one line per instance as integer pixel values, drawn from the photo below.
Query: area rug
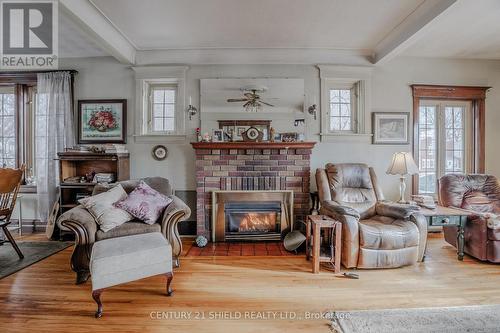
(474, 319)
(33, 252)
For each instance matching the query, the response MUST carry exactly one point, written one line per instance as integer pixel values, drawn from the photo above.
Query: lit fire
(258, 222)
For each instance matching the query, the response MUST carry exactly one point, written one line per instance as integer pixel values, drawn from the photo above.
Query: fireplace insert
(252, 220)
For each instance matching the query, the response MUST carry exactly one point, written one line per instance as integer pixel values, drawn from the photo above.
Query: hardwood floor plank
(44, 298)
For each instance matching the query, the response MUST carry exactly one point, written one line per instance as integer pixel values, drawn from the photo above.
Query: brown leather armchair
(375, 233)
(87, 231)
(480, 195)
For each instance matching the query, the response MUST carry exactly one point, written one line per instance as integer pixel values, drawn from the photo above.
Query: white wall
(106, 78)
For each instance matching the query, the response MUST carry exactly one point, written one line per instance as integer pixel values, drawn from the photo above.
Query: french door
(444, 141)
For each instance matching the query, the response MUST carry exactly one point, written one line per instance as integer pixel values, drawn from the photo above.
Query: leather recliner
(479, 195)
(375, 233)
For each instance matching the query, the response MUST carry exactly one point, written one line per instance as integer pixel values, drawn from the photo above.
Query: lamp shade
(402, 164)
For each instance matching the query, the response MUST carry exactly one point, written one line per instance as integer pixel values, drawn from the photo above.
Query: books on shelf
(101, 177)
(426, 201)
(115, 148)
(109, 148)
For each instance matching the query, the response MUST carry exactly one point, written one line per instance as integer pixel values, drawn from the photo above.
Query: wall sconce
(191, 110)
(313, 109)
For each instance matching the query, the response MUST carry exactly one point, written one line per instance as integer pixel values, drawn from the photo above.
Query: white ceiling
(73, 42)
(307, 31)
(469, 29)
(192, 24)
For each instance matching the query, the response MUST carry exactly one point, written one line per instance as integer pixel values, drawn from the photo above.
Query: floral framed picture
(391, 128)
(102, 121)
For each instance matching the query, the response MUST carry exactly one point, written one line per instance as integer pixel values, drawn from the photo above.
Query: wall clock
(160, 152)
(252, 134)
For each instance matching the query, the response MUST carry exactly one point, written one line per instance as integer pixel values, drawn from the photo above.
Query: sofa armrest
(81, 222)
(396, 210)
(83, 225)
(174, 213)
(350, 230)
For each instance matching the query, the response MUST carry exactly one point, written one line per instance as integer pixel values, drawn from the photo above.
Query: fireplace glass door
(255, 220)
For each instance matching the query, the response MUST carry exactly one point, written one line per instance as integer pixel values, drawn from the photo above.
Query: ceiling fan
(252, 99)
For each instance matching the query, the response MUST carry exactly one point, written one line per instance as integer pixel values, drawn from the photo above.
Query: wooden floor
(43, 298)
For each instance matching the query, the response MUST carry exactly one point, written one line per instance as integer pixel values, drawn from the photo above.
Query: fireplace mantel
(252, 145)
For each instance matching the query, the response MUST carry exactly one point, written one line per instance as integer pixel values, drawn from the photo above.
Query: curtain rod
(72, 71)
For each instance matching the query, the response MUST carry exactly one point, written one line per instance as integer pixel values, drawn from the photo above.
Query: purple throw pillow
(144, 203)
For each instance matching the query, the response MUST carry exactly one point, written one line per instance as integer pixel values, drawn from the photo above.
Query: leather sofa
(480, 195)
(87, 232)
(375, 233)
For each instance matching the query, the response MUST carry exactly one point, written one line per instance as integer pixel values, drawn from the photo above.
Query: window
(341, 110)
(8, 131)
(160, 96)
(444, 135)
(345, 101)
(162, 108)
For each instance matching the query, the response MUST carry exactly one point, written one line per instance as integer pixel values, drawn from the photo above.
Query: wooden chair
(10, 181)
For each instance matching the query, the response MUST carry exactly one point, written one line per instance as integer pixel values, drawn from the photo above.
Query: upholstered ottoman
(119, 260)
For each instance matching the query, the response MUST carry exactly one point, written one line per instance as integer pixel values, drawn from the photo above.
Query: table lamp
(402, 164)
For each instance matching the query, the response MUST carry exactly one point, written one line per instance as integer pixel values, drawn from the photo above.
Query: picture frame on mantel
(102, 121)
(391, 128)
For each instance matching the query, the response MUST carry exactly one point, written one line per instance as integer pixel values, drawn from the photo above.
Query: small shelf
(69, 205)
(75, 165)
(77, 184)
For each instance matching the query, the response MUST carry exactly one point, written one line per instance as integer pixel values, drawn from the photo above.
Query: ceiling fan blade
(261, 101)
(237, 99)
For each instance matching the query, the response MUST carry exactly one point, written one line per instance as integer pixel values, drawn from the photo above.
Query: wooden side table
(330, 253)
(447, 216)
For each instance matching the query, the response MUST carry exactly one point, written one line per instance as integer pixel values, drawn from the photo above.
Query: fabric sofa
(480, 195)
(87, 232)
(375, 233)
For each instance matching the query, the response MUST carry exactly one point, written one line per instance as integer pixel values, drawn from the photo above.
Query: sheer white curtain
(54, 131)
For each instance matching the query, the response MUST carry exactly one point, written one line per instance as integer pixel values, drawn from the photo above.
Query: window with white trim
(342, 109)
(444, 141)
(160, 97)
(162, 108)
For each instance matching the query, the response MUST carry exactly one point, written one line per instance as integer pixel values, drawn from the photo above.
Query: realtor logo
(29, 35)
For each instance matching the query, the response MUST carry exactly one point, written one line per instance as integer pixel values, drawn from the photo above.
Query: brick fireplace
(251, 166)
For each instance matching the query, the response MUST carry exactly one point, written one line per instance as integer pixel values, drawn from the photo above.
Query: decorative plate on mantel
(252, 134)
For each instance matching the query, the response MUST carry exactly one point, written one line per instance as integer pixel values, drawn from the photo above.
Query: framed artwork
(217, 135)
(102, 121)
(391, 128)
(289, 137)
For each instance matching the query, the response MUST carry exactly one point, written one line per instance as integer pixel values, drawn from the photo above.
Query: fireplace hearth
(251, 215)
